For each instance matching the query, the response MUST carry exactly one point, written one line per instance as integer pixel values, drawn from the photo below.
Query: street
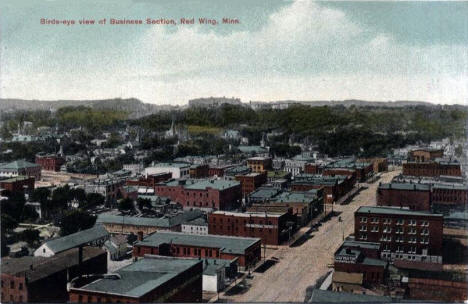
(300, 267)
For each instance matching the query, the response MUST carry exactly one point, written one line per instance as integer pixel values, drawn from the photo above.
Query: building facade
(271, 228)
(404, 234)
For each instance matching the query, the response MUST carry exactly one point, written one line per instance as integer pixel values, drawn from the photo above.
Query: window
(425, 223)
(399, 230)
(363, 228)
(20, 287)
(387, 221)
(412, 222)
(387, 229)
(425, 231)
(400, 222)
(363, 236)
(375, 229)
(374, 220)
(12, 284)
(399, 239)
(363, 219)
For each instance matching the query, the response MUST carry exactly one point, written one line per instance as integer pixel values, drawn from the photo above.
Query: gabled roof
(18, 164)
(77, 239)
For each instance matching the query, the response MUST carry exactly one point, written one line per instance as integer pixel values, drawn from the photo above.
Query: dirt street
(301, 266)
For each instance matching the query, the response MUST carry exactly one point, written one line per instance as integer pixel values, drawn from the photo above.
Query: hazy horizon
(281, 50)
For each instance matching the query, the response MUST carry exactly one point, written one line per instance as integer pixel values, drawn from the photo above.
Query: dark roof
(453, 276)
(44, 267)
(326, 296)
(227, 244)
(394, 211)
(77, 239)
(143, 276)
(406, 186)
(163, 222)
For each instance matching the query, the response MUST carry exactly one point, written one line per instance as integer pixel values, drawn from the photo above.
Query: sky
(280, 50)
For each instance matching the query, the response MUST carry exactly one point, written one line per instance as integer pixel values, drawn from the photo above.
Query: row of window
(250, 221)
(12, 285)
(387, 221)
(398, 230)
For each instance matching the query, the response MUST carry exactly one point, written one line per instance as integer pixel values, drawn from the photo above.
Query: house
(216, 272)
(95, 236)
(196, 226)
(116, 247)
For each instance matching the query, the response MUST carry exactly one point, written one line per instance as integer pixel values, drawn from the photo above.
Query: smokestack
(80, 255)
(140, 235)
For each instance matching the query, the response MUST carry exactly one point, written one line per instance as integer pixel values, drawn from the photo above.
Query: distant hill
(347, 103)
(135, 107)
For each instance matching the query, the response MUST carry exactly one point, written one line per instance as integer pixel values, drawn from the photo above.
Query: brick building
(425, 154)
(379, 164)
(151, 180)
(218, 171)
(20, 167)
(17, 184)
(363, 169)
(432, 168)
(414, 196)
(199, 171)
(334, 186)
(439, 286)
(259, 164)
(44, 279)
(353, 260)
(271, 228)
(403, 234)
(313, 168)
(247, 250)
(50, 162)
(448, 194)
(203, 194)
(251, 181)
(117, 224)
(153, 279)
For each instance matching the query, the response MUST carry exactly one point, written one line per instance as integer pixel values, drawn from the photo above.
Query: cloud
(303, 51)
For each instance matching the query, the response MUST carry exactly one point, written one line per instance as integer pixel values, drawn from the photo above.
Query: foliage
(30, 236)
(76, 220)
(126, 204)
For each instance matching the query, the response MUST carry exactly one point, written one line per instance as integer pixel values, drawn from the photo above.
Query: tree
(8, 223)
(76, 220)
(40, 195)
(143, 203)
(94, 199)
(30, 236)
(126, 204)
(29, 214)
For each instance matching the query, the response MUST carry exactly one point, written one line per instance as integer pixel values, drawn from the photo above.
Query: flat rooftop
(143, 276)
(406, 186)
(395, 211)
(227, 244)
(248, 214)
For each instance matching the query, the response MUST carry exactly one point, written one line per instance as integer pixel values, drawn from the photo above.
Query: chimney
(80, 255)
(140, 235)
